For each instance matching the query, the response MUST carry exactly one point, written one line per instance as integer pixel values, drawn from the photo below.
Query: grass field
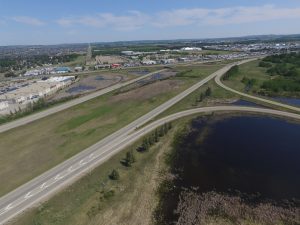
(217, 97)
(249, 70)
(95, 199)
(28, 151)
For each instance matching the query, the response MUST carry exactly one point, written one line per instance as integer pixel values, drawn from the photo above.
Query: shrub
(114, 175)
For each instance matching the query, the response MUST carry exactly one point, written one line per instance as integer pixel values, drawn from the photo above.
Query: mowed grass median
(30, 150)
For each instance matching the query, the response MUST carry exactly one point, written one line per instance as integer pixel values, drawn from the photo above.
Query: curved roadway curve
(219, 82)
(47, 183)
(45, 188)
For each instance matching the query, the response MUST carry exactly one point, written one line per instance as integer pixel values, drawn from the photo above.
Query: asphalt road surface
(43, 186)
(55, 109)
(47, 185)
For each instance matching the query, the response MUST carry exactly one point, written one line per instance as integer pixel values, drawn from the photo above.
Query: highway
(219, 82)
(67, 172)
(46, 185)
(71, 103)
(55, 109)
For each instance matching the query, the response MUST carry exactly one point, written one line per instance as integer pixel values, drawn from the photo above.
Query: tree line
(203, 95)
(286, 68)
(145, 145)
(231, 72)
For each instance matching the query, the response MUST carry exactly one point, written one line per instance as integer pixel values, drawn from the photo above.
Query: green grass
(96, 194)
(275, 85)
(30, 150)
(79, 61)
(218, 96)
(249, 70)
(37, 107)
(80, 120)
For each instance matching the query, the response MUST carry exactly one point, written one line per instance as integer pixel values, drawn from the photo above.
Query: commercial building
(16, 98)
(148, 62)
(62, 70)
(191, 49)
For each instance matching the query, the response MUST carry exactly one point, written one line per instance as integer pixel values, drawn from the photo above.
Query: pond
(290, 101)
(242, 102)
(80, 88)
(253, 155)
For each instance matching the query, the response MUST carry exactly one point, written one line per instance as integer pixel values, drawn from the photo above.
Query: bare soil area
(148, 91)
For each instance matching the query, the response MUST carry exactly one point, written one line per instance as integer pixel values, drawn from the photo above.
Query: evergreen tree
(150, 140)
(208, 92)
(156, 135)
(165, 129)
(201, 98)
(161, 131)
(130, 158)
(114, 175)
(145, 144)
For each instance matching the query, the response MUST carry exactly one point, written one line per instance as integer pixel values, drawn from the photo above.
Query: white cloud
(28, 20)
(133, 20)
(183, 17)
(222, 16)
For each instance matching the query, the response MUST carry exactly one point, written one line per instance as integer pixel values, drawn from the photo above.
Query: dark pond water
(290, 101)
(99, 78)
(247, 154)
(140, 72)
(245, 103)
(80, 88)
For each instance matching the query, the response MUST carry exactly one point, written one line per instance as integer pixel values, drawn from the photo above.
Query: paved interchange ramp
(67, 172)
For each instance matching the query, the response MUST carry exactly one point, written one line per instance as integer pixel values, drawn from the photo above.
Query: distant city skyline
(78, 21)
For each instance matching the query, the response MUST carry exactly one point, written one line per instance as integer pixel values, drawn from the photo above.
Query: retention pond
(257, 157)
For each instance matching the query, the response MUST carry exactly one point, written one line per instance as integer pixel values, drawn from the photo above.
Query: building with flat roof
(62, 70)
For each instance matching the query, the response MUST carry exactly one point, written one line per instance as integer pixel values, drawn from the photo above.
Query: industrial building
(149, 62)
(18, 97)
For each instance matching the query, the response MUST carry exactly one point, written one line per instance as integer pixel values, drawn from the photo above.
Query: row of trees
(203, 95)
(287, 68)
(231, 72)
(279, 85)
(249, 83)
(283, 69)
(32, 61)
(147, 142)
(265, 64)
(291, 58)
(154, 137)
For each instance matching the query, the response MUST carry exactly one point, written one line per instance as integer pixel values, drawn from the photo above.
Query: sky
(24, 22)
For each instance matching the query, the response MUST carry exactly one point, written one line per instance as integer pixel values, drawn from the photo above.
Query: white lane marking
(44, 185)
(28, 195)
(8, 207)
(81, 163)
(92, 156)
(70, 169)
(58, 177)
(3, 211)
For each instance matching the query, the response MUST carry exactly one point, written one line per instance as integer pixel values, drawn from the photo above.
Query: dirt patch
(148, 91)
(102, 59)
